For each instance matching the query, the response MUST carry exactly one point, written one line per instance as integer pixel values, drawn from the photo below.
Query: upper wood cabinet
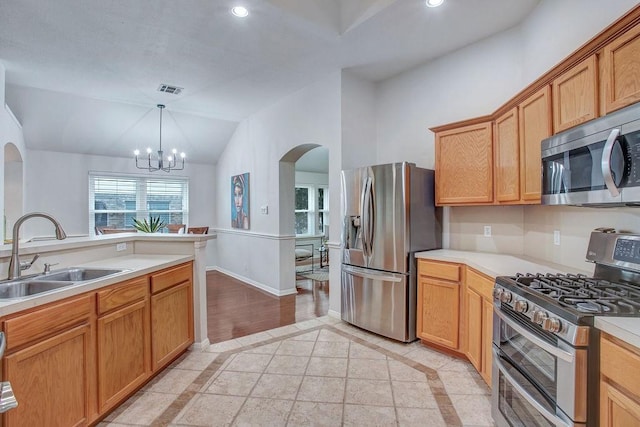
(575, 95)
(507, 157)
(621, 71)
(464, 165)
(534, 118)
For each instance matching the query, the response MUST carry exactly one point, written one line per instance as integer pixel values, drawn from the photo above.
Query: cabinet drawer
(621, 363)
(122, 294)
(47, 321)
(482, 284)
(170, 277)
(440, 270)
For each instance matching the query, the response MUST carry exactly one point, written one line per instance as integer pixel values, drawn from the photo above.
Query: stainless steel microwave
(594, 164)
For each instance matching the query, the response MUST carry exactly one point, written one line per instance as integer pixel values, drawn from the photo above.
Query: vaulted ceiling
(83, 75)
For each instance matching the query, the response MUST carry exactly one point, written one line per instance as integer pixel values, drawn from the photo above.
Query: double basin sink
(36, 284)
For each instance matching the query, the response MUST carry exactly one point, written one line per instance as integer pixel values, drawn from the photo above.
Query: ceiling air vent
(170, 89)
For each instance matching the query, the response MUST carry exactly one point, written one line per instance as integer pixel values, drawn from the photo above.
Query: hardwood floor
(236, 309)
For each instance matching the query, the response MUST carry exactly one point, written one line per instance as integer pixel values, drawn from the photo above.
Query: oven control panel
(627, 250)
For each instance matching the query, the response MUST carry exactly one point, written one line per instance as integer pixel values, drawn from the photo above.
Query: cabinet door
(439, 310)
(507, 150)
(464, 165)
(171, 323)
(474, 328)
(51, 380)
(616, 409)
(534, 126)
(487, 339)
(123, 353)
(621, 79)
(575, 95)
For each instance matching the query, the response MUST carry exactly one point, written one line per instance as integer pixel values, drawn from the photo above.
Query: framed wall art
(240, 201)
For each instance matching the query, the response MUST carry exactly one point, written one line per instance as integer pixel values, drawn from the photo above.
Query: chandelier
(158, 162)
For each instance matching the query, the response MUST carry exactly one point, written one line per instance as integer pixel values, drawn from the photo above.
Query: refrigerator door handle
(363, 215)
(367, 217)
(369, 274)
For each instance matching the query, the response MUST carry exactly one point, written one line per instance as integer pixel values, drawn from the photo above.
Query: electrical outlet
(121, 246)
(487, 231)
(556, 237)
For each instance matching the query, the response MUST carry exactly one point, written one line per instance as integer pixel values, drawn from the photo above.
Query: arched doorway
(13, 187)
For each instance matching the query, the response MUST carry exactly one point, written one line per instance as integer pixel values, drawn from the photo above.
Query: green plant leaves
(154, 225)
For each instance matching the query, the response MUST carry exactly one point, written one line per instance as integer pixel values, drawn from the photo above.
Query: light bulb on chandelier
(157, 163)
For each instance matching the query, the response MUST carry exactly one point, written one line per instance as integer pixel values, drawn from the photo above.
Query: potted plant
(154, 225)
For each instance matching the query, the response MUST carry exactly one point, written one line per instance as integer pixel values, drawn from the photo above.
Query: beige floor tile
(108, 424)
(429, 358)
(322, 389)
(413, 395)
(224, 346)
(146, 409)
(173, 381)
(457, 365)
(291, 365)
(210, 410)
(196, 360)
(368, 392)
(265, 349)
(315, 414)
(473, 409)
(456, 382)
(234, 383)
(416, 417)
(309, 336)
(396, 347)
(362, 415)
(245, 362)
(401, 372)
(254, 338)
(329, 320)
(327, 367)
(308, 324)
(331, 349)
(330, 336)
(295, 348)
(372, 369)
(281, 386)
(264, 412)
(283, 330)
(359, 351)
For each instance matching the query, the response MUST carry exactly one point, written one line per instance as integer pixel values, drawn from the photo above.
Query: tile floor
(320, 372)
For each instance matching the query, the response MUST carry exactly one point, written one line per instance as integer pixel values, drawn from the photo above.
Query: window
(311, 209)
(115, 200)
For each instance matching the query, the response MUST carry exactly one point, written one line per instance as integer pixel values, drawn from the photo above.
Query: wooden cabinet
(479, 318)
(507, 157)
(50, 364)
(464, 165)
(439, 294)
(171, 314)
(534, 120)
(621, 71)
(619, 383)
(123, 341)
(575, 95)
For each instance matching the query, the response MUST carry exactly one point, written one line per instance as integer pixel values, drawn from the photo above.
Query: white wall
(58, 183)
(358, 122)
(264, 254)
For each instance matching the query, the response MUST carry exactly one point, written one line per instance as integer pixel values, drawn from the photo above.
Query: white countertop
(493, 265)
(134, 265)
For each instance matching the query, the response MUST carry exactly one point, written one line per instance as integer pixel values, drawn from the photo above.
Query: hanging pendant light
(158, 162)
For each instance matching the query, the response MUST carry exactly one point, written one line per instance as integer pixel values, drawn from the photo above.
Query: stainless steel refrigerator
(388, 215)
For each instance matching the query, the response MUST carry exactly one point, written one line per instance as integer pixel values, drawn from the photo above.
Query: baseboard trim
(201, 346)
(334, 314)
(261, 286)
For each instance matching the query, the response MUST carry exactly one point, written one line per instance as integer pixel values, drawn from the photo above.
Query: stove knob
(552, 325)
(497, 292)
(520, 306)
(539, 316)
(505, 296)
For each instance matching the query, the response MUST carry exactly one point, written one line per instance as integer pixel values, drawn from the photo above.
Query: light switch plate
(264, 210)
(121, 246)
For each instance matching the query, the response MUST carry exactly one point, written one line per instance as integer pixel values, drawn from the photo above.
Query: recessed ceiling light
(434, 3)
(240, 11)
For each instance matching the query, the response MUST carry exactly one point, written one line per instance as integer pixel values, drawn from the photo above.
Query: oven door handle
(561, 354)
(606, 162)
(553, 418)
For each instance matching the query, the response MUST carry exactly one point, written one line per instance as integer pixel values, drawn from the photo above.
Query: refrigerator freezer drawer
(380, 302)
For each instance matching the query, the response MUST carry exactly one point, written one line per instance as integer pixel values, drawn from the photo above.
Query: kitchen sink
(37, 284)
(78, 274)
(25, 288)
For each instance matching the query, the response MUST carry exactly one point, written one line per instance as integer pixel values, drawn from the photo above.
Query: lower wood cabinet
(619, 383)
(71, 361)
(479, 303)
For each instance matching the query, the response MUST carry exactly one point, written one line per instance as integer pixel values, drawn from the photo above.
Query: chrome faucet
(15, 266)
